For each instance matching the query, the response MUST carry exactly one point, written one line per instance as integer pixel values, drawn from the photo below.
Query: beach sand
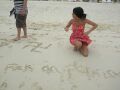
(47, 61)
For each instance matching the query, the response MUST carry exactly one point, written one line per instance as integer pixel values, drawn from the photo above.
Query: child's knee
(78, 43)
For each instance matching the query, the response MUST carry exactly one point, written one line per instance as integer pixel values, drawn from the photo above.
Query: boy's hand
(22, 12)
(66, 29)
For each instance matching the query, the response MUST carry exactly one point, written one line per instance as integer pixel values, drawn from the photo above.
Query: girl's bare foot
(84, 51)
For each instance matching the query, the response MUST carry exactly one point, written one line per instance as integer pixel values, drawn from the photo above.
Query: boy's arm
(68, 25)
(25, 4)
(24, 7)
(93, 24)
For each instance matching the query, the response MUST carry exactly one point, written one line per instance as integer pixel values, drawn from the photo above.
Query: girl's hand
(66, 29)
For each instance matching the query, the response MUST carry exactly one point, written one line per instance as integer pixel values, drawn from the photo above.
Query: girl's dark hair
(79, 12)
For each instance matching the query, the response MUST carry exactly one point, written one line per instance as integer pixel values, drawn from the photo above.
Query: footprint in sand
(35, 26)
(1, 56)
(36, 86)
(4, 42)
(3, 86)
(21, 85)
(74, 87)
(118, 51)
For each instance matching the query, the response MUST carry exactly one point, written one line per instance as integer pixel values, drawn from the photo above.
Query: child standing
(79, 38)
(21, 11)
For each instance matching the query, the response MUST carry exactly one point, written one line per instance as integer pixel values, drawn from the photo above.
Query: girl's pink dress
(78, 34)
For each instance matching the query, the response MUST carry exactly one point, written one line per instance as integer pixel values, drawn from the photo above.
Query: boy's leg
(18, 26)
(18, 34)
(21, 24)
(24, 26)
(25, 32)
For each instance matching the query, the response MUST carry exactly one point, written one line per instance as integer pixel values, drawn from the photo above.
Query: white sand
(46, 60)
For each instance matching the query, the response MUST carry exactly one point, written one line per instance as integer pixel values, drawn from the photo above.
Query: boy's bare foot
(16, 39)
(24, 37)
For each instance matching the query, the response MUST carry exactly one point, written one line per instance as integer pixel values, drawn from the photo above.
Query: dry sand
(46, 60)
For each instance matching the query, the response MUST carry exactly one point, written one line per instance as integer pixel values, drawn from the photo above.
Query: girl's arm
(68, 25)
(93, 24)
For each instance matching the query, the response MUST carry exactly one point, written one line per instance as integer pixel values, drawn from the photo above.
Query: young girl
(79, 38)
